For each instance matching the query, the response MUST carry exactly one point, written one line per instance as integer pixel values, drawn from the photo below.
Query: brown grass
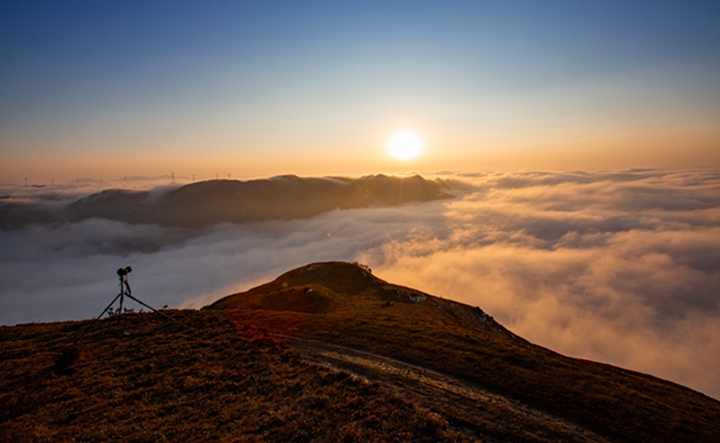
(137, 378)
(461, 340)
(140, 378)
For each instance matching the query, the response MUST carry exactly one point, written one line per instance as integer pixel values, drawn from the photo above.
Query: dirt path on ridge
(468, 408)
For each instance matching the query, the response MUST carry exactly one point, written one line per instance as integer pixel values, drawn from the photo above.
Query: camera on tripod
(124, 292)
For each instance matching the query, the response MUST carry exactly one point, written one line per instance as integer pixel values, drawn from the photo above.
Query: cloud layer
(621, 267)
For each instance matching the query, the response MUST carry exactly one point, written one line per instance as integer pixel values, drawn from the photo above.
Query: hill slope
(345, 304)
(326, 352)
(140, 378)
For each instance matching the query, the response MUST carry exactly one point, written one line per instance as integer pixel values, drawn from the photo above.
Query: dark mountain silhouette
(215, 201)
(327, 352)
(278, 198)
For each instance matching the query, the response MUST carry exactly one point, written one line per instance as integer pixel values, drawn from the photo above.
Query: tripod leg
(159, 312)
(96, 319)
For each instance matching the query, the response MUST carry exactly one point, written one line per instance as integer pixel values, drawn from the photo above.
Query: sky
(110, 89)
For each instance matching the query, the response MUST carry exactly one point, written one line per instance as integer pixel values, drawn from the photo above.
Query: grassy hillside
(140, 378)
(345, 304)
(240, 372)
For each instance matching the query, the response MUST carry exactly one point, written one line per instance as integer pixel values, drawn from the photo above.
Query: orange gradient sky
(250, 89)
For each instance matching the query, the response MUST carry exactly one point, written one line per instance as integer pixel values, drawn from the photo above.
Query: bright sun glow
(405, 145)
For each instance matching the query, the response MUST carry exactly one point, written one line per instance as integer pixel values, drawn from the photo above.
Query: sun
(405, 145)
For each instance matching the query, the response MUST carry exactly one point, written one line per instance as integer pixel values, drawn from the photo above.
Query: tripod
(125, 291)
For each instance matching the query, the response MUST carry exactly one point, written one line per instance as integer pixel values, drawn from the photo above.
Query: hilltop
(346, 305)
(327, 352)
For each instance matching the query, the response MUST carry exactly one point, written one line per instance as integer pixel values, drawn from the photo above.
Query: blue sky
(96, 88)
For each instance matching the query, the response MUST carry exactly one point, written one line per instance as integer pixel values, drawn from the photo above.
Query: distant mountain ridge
(215, 201)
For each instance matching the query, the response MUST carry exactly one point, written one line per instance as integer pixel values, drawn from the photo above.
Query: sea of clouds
(621, 267)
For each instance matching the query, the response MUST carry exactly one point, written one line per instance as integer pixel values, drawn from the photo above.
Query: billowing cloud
(621, 267)
(68, 271)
